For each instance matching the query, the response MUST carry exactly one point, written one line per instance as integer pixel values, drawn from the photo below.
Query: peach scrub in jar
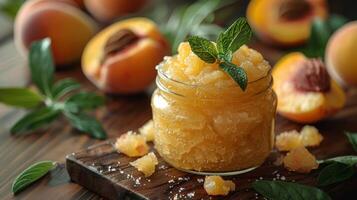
(204, 121)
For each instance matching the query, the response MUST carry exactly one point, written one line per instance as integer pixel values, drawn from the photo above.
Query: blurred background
(161, 11)
(175, 19)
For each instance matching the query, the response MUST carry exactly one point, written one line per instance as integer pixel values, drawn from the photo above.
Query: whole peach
(68, 27)
(341, 54)
(107, 10)
(121, 59)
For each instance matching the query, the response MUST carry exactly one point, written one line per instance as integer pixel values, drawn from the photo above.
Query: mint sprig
(228, 42)
(336, 170)
(339, 168)
(334, 173)
(31, 174)
(281, 190)
(51, 99)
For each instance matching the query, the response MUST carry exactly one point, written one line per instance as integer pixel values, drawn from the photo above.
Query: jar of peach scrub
(204, 121)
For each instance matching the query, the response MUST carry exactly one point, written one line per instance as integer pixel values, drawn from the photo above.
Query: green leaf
(31, 174)
(41, 65)
(279, 190)
(336, 21)
(20, 97)
(349, 160)
(320, 33)
(352, 138)
(238, 34)
(192, 17)
(63, 87)
(334, 173)
(11, 7)
(203, 48)
(235, 36)
(237, 73)
(83, 101)
(34, 120)
(87, 124)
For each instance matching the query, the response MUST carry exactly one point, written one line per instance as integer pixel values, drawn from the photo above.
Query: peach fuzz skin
(107, 10)
(263, 16)
(341, 55)
(320, 105)
(70, 28)
(132, 69)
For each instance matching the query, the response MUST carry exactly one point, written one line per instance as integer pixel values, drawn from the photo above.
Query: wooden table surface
(121, 113)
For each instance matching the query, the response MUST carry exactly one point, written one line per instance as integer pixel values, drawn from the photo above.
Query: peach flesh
(303, 106)
(131, 69)
(284, 31)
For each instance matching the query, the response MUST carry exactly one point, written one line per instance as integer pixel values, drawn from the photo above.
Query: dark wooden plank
(101, 169)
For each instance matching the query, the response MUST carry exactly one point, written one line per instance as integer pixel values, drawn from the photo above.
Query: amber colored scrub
(204, 121)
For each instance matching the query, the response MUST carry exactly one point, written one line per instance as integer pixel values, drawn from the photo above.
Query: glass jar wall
(207, 129)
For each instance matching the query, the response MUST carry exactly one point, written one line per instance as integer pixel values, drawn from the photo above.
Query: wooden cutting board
(102, 170)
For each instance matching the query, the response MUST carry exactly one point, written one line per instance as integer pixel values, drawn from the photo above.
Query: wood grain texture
(102, 169)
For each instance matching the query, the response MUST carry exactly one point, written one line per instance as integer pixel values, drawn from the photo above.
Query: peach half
(68, 27)
(341, 54)
(305, 91)
(121, 59)
(284, 22)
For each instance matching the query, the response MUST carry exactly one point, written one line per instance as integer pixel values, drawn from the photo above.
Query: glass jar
(205, 129)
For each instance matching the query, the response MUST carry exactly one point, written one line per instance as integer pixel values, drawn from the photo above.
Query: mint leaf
(319, 36)
(84, 100)
(86, 124)
(320, 32)
(11, 7)
(334, 173)
(235, 36)
(203, 48)
(349, 160)
(63, 87)
(238, 34)
(41, 65)
(222, 45)
(279, 190)
(31, 174)
(336, 21)
(20, 97)
(237, 73)
(34, 120)
(352, 138)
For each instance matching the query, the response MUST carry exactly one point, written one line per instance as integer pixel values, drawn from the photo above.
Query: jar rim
(163, 75)
(261, 84)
